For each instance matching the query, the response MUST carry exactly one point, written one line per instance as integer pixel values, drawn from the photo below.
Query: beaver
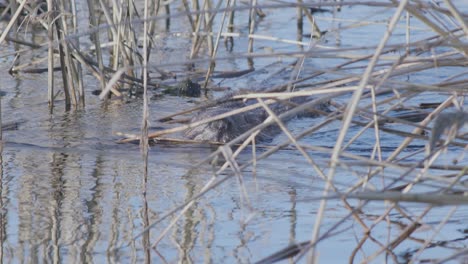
(227, 129)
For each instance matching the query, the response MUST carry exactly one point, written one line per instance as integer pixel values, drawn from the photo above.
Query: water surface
(70, 193)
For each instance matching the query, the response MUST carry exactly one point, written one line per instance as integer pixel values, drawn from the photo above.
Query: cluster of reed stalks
(369, 81)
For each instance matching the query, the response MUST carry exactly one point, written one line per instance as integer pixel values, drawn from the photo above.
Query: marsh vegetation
(103, 102)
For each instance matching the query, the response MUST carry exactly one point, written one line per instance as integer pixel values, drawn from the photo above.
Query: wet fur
(227, 129)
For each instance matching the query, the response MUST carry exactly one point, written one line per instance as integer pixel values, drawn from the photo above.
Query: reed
(366, 83)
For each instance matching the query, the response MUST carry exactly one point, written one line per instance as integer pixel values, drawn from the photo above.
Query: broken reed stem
(215, 48)
(77, 65)
(13, 21)
(62, 55)
(300, 21)
(196, 35)
(252, 18)
(189, 16)
(229, 40)
(97, 42)
(50, 55)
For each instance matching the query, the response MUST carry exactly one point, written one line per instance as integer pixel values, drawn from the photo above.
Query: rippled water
(70, 193)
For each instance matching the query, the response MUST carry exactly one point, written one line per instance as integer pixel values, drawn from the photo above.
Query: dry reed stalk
(97, 42)
(212, 183)
(68, 70)
(437, 231)
(346, 122)
(196, 33)
(50, 55)
(144, 144)
(309, 159)
(428, 198)
(208, 24)
(398, 67)
(65, 79)
(189, 16)
(229, 40)
(214, 50)
(13, 21)
(380, 67)
(207, 187)
(77, 66)
(292, 139)
(300, 20)
(252, 17)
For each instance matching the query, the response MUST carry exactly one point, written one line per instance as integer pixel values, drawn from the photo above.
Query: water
(71, 194)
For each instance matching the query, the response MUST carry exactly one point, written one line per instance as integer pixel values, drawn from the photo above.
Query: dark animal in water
(227, 129)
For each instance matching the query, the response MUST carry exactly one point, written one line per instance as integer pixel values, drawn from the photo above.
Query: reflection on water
(86, 206)
(85, 203)
(70, 194)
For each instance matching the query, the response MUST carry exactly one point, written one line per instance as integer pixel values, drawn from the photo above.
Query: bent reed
(375, 59)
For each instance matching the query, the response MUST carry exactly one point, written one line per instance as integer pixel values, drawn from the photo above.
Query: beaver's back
(227, 129)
